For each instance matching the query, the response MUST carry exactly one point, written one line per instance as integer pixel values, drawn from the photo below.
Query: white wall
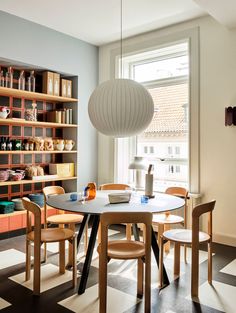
(217, 143)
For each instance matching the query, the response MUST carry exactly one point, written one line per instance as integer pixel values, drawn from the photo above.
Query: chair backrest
(179, 192)
(198, 211)
(110, 218)
(114, 187)
(50, 191)
(32, 208)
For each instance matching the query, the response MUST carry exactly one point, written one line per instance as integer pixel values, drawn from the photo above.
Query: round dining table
(94, 208)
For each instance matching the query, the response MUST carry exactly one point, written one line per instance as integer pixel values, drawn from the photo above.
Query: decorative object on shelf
(39, 143)
(17, 176)
(9, 78)
(37, 198)
(31, 171)
(120, 107)
(4, 175)
(48, 144)
(48, 78)
(18, 204)
(230, 116)
(66, 88)
(31, 114)
(17, 144)
(4, 112)
(63, 116)
(31, 82)
(69, 144)
(3, 144)
(2, 81)
(56, 84)
(6, 207)
(139, 165)
(62, 169)
(149, 182)
(21, 80)
(60, 145)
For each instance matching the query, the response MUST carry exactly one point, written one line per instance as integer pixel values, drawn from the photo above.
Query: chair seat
(65, 218)
(53, 234)
(125, 249)
(184, 236)
(167, 219)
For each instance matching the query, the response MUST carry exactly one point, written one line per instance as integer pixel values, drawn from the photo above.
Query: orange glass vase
(91, 191)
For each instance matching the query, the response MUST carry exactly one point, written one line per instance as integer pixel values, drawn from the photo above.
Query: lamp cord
(121, 39)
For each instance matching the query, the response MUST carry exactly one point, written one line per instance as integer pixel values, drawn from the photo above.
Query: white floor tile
(230, 268)
(4, 304)
(50, 278)
(54, 246)
(110, 232)
(11, 257)
(219, 296)
(117, 301)
(202, 255)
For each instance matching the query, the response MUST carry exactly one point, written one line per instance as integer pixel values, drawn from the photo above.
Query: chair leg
(37, 268)
(167, 244)
(209, 262)
(99, 234)
(70, 250)
(176, 259)
(194, 273)
(161, 252)
(160, 232)
(102, 284)
(185, 254)
(74, 261)
(61, 254)
(140, 277)
(45, 252)
(28, 260)
(128, 231)
(86, 239)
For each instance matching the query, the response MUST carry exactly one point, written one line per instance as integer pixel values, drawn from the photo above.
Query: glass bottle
(31, 82)
(9, 78)
(21, 81)
(91, 192)
(1, 79)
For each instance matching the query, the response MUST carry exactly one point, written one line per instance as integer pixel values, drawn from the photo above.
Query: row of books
(61, 116)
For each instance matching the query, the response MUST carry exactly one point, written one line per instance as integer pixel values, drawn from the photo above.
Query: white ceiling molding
(223, 11)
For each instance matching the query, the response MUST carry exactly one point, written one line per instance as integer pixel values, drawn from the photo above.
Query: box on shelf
(69, 89)
(48, 82)
(62, 169)
(6, 207)
(63, 87)
(56, 84)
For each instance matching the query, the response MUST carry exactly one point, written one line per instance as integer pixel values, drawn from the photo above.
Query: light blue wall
(31, 43)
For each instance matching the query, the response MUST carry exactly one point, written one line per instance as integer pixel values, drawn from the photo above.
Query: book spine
(70, 116)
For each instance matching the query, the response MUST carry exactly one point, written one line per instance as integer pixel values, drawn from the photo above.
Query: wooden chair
(191, 237)
(40, 236)
(125, 250)
(164, 221)
(112, 186)
(62, 219)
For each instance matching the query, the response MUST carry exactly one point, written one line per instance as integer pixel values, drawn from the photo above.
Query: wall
(217, 47)
(30, 43)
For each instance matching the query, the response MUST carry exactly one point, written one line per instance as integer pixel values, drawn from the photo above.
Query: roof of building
(170, 117)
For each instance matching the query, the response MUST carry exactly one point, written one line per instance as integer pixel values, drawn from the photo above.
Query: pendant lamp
(120, 107)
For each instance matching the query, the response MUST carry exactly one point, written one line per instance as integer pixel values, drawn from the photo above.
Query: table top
(161, 203)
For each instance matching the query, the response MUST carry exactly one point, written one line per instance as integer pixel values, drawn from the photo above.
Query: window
(145, 149)
(165, 73)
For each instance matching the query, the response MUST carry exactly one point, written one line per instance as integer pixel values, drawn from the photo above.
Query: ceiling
(98, 21)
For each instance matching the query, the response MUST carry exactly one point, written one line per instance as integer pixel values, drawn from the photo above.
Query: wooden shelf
(16, 121)
(30, 181)
(37, 152)
(10, 92)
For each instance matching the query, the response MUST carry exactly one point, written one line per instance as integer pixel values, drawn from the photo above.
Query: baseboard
(224, 239)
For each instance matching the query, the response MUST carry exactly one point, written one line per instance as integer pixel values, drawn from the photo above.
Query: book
(70, 116)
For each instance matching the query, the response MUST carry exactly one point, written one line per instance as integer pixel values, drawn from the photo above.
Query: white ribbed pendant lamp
(120, 107)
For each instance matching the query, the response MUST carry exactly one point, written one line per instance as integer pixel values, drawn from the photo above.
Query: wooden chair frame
(112, 186)
(197, 212)
(58, 190)
(108, 219)
(34, 210)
